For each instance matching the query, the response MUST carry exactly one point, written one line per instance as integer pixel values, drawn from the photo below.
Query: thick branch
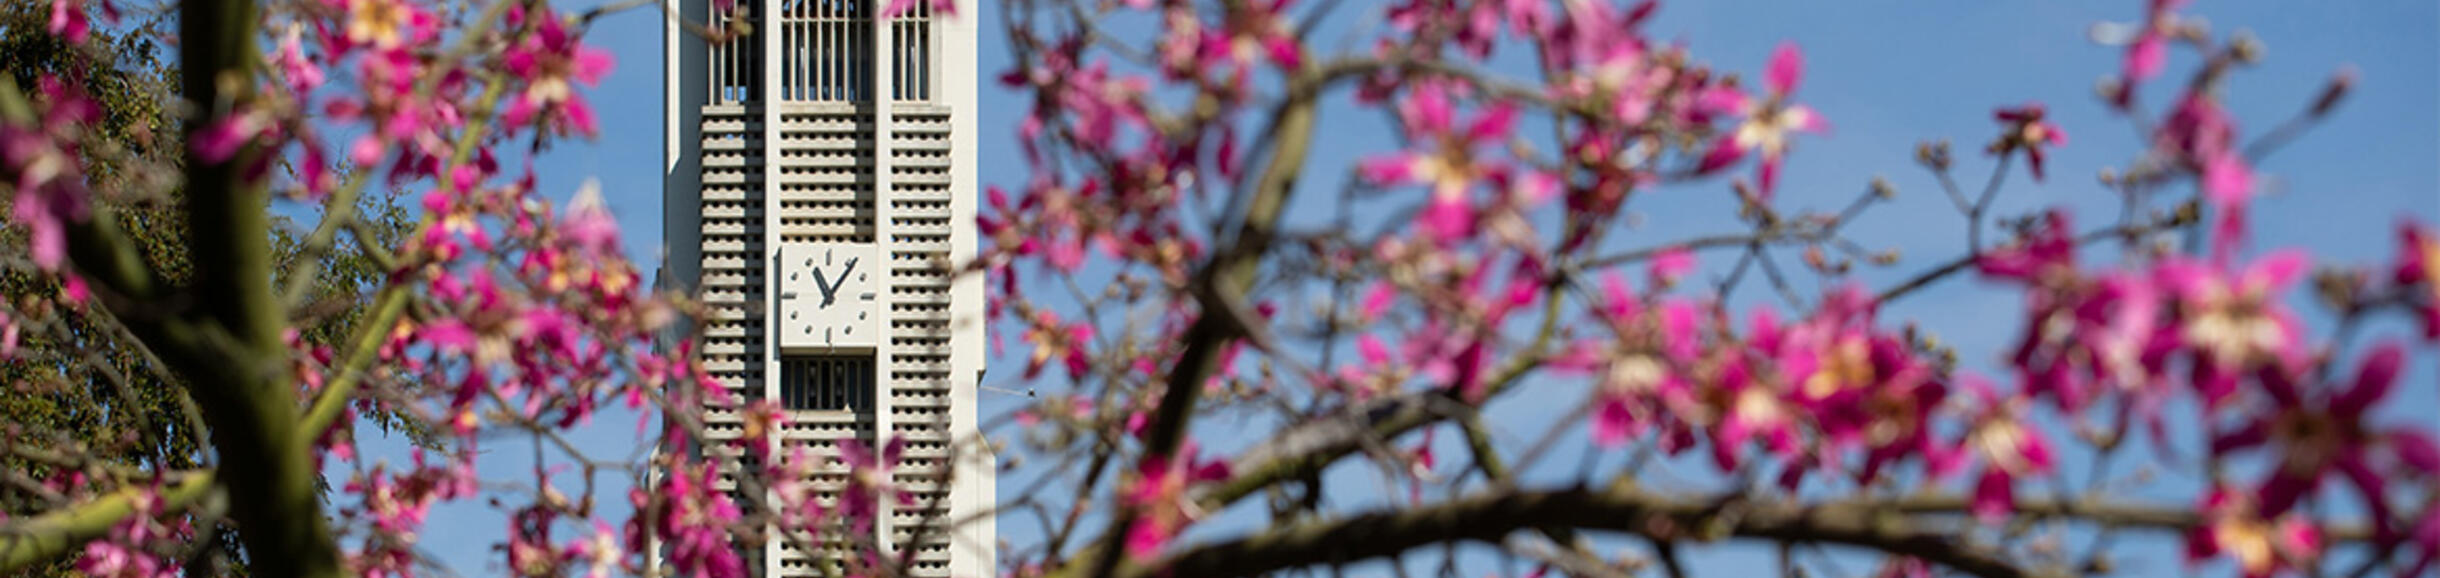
(1488, 518)
(1226, 280)
(51, 535)
(244, 392)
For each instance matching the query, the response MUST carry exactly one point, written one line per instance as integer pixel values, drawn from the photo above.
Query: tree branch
(1489, 517)
(35, 540)
(244, 391)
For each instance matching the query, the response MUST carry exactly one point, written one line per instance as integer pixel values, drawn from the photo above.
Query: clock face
(827, 295)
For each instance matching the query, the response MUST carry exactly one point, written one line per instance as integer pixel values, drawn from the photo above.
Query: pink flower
(49, 171)
(868, 481)
(1670, 265)
(125, 551)
(551, 61)
(2426, 542)
(2329, 434)
(764, 420)
(386, 25)
(2046, 256)
(938, 7)
(2235, 321)
(1053, 339)
(587, 223)
(2027, 131)
(2419, 265)
(221, 140)
(2086, 334)
(1251, 29)
(2262, 545)
(8, 337)
(2149, 50)
(2203, 138)
(1768, 122)
(1451, 166)
(1158, 494)
(690, 516)
(302, 74)
(2009, 448)
(1378, 299)
(68, 20)
(1745, 406)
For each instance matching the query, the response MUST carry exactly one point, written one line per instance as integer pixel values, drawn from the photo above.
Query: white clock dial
(827, 295)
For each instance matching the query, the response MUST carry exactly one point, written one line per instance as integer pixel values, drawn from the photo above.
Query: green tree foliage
(80, 386)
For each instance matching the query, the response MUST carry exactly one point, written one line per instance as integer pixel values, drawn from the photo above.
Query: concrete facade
(819, 189)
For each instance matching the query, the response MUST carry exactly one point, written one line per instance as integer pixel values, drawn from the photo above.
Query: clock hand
(829, 292)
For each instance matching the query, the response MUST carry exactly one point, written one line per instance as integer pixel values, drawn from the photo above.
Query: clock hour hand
(829, 292)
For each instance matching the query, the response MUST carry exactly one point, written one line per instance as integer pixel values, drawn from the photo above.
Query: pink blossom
(68, 20)
(1670, 265)
(124, 552)
(690, 517)
(221, 140)
(302, 74)
(2425, 543)
(869, 482)
(1159, 496)
(1378, 299)
(2321, 435)
(8, 337)
(386, 25)
(587, 223)
(1054, 339)
(2235, 321)
(2027, 131)
(2261, 544)
(49, 171)
(552, 61)
(2009, 447)
(1768, 122)
(1251, 29)
(939, 7)
(2418, 269)
(1450, 167)
(2149, 50)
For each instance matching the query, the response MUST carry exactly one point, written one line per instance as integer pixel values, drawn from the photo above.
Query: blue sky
(1886, 73)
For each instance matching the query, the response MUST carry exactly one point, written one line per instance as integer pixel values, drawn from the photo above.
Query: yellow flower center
(376, 22)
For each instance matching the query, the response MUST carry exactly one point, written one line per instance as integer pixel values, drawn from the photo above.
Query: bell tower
(819, 192)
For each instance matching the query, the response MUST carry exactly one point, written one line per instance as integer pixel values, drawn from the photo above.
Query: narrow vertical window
(911, 55)
(827, 383)
(822, 50)
(736, 68)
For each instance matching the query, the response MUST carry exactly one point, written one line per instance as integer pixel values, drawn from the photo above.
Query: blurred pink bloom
(2009, 447)
(551, 62)
(2235, 321)
(1768, 122)
(2329, 433)
(1159, 496)
(2029, 132)
(1450, 166)
(2149, 50)
(939, 7)
(2419, 267)
(2262, 545)
(68, 20)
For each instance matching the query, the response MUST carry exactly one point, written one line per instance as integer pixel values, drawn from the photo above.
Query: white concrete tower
(819, 189)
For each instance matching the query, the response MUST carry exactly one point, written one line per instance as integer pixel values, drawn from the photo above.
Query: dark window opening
(826, 382)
